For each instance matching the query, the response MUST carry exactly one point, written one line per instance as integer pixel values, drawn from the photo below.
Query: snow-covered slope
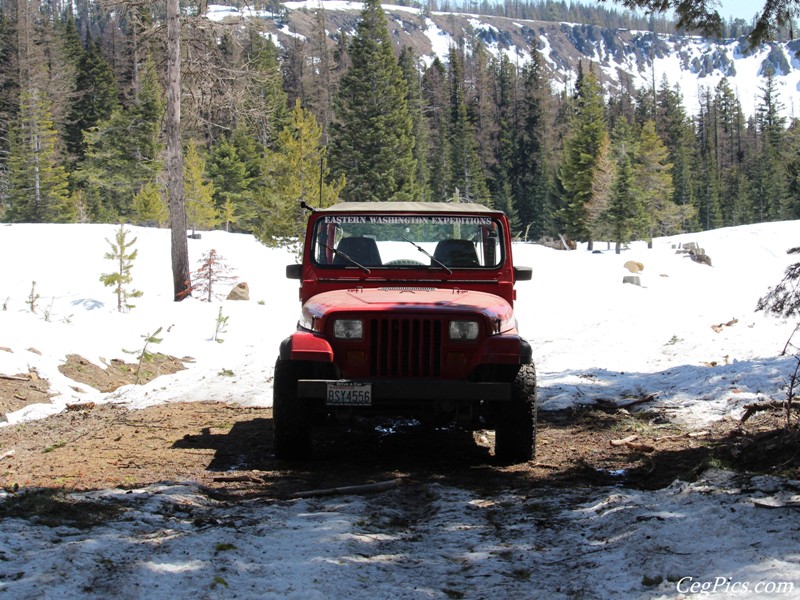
(623, 59)
(592, 336)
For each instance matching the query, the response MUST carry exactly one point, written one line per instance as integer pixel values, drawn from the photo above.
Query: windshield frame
(408, 241)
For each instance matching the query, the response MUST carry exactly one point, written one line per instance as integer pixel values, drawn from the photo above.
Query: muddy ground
(228, 449)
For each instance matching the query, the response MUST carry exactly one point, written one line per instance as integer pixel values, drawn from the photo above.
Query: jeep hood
(410, 300)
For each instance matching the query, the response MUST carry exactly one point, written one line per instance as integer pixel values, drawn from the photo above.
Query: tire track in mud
(456, 543)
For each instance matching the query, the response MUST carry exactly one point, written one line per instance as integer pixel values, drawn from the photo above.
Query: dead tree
(177, 209)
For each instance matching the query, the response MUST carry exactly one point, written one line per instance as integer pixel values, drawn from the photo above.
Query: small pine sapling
(222, 326)
(212, 272)
(33, 297)
(145, 355)
(123, 255)
(48, 311)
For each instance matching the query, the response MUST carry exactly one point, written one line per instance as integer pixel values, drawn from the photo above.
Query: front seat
(363, 250)
(456, 253)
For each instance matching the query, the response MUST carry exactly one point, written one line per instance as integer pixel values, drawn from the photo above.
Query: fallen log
(751, 409)
(367, 488)
(688, 434)
(642, 400)
(606, 404)
(624, 441)
(14, 377)
(631, 443)
(776, 504)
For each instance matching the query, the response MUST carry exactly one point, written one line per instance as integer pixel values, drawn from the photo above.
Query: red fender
(303, 345)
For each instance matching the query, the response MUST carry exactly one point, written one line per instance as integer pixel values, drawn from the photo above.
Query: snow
(744, 74)
(593, 337)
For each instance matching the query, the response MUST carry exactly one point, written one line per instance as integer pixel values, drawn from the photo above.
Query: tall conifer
(468, 182)
(38, 191)
(231, 178)
(123, 152)
(581, 157)
(198, 191)
(295, 172)
(94, 101)
(372, 142)
(530, 168)
(434, 91)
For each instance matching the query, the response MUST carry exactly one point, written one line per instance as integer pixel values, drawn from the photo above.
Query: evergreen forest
(352, 117)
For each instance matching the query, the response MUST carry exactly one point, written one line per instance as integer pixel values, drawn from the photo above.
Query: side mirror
(523, 273)
(294, 271)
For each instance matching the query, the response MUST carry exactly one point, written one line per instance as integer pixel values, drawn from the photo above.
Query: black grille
(406, 347)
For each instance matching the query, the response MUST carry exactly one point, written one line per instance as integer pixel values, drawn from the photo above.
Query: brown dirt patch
(118, 373)
(23, 389)
(228, 449)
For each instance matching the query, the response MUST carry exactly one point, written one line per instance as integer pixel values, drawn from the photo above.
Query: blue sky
(743, 9)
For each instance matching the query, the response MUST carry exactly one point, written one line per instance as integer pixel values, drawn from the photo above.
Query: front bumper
(416, 391)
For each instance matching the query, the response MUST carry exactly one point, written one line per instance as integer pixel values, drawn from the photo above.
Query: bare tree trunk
(177, 209)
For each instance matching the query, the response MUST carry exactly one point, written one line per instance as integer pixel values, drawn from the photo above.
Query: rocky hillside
(623, 59)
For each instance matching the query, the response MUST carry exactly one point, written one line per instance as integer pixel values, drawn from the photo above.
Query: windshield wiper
(429, 255)
(349, 259)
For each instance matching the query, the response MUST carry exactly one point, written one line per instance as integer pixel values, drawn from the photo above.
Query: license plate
(349, 393)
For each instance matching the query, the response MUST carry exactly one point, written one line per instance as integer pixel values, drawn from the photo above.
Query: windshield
(394, 241)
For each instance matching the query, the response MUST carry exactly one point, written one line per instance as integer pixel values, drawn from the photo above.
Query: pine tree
(468, 181)
(198, 192)
(296, 172)
(602, 182)
(579, 164)
(770, 176)
(530, 166)
(123, 257)
(372, 142)
(707, 195)
(793, 171)
(677, 132)
(653, 173)
(229, 174)
(501, 169)
(95, 98)
(729, 126)
(408, 64)
(212, 272)
(625, 210)
(38, 185)
(149, 206)
(485, 105)
(434, 90)
(9, 93)
(123, 152)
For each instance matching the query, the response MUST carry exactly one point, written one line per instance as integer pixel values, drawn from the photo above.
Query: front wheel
(290, 420)
(515, 429)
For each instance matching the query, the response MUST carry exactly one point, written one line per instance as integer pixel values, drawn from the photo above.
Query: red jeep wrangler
(407, 311)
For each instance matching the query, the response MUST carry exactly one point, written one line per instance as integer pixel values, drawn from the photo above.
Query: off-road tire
(290, 419)
(515, 428)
